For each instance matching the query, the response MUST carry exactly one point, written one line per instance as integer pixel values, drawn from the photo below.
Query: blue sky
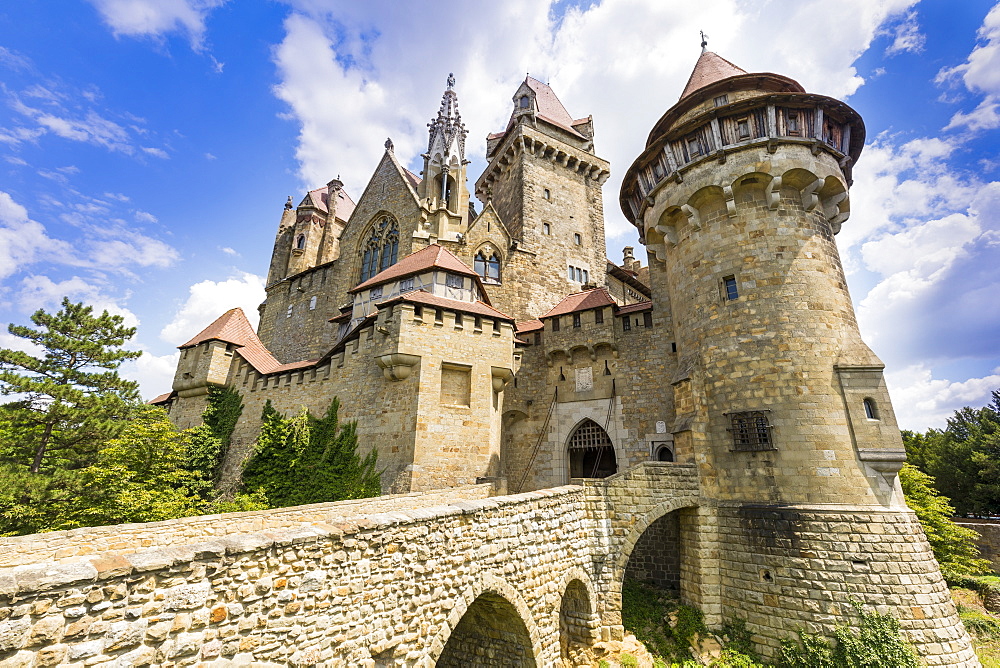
(148, 146)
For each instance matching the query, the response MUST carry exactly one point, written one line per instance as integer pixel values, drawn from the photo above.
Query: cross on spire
(704, 40)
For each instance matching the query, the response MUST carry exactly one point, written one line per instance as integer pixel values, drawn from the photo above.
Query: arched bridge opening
(491, 634)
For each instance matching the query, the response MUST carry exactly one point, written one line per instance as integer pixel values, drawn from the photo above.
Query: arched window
(300, 242)
(664, 454)
(381, 248)
(870, 410)
(525, 102)
(591, 453)
(487, 267)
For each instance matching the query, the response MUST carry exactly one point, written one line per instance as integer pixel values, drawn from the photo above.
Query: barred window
(751, 430)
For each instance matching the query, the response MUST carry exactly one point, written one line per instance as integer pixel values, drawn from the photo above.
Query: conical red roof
(711, 67)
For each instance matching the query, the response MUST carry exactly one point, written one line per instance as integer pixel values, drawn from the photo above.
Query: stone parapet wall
(383, 590)
(785, 569)
(77, 544)
(989, 537)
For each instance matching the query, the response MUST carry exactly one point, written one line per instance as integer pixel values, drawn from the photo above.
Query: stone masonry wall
(77, 544)
(989, 537)
(656, 558)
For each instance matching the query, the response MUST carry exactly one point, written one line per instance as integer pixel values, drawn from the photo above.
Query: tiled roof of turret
(233, 327)
(319, 199)
(432, 257)
(582, 301)
(549, 108)
(711, 67)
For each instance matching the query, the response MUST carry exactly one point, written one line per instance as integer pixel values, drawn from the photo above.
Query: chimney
(629, 262)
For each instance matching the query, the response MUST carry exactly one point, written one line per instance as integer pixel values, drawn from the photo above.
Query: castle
(503, 346)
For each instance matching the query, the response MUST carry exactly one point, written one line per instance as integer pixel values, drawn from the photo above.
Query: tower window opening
(496, 328)
(751, 431)
(418, 311)
(576, 321)
(647, 319)
(599, 316)
(871, 411)
(626, 323)
(793, 122)
(300, 242)
(458, 319)
(487, 267)
(381, 248)
(312, 303)
(555, 324)
(524, 102)
(546, 228)
(288, 313)
(743, 128)
(577, 239)
(729, 289)
(546, 194)
(721, 100)
(694, 147)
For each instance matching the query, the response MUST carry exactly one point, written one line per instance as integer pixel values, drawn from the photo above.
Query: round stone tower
(738, 195)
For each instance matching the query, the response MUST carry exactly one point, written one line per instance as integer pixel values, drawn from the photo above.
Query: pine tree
(69, 399)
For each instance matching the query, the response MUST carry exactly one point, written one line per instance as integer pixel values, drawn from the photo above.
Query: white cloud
(981, 74)
(144, 217)
(24, 241)
(921, 401)
(154, 373)
(131, 249)
(42, 292)
(907, 36)
(156, 18)
(156, 152)
(228, 251)
(208, 300)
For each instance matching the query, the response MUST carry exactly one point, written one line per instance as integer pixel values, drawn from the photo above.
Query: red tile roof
(635, 308)
(427, 299)
(548, 104)
(526, 326)
(710, 68)
(162, 399)
(581, 301)
(233, 327)
(413, 178)
(432, 257)
(319, 199)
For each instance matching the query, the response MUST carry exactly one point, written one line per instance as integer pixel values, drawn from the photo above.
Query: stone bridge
(449, 578)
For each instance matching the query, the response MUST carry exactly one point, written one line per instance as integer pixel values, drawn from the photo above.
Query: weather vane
(704, 40)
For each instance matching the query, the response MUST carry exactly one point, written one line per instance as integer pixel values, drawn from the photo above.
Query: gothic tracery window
(380, 250)
(487, 267)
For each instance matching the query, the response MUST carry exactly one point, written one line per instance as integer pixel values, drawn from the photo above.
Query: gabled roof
(427, 299)
(711, 67)
(319, 197)
(527, 326)
(582, 301)
(412, 178)
(549, 108)
(233, 327)
(432, 257)
(635, 308)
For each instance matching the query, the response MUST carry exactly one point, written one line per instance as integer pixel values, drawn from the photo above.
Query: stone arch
(497, 592)
(578, 620)
(750, 187)
(592, 452)
(482, 262)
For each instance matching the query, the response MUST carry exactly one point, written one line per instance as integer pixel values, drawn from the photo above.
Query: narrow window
(546, 194)
(438, 315)
(538, 338)
(870, 412)
(525, 102)
(577, 239)
(418, 311)
(496, 327)
(729, 288)
(288, 313)
(576, 321)
(453, 281)
(406, 285)
(673, 347)
(751, 431)
(743, 128)
(579, 275)
(546, 228)
(694, 147)
(458, 319)
(586, 277)
(647, 319)
(478, 323)
(572, 275)
(599, 316)
(312, 303)
(626, 324)
(375, 293)
(793, 122)
(721, 100)
(555, 324)
(300, 243)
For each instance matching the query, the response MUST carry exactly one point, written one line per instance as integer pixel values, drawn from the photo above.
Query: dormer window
(300, 242)
(524, 102)
(793, 122)
(453, 281)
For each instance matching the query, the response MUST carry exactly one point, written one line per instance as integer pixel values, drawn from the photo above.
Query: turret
(738, 195)
(443, 190)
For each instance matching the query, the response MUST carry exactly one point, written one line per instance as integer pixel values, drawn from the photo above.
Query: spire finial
(451, 81)
(704, 40)
(288, 202)
(388, 144)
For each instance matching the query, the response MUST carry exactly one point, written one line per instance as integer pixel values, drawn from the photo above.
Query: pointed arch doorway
(591, 452)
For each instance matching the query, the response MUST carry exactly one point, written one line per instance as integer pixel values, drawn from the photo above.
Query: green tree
(69, 398)
(303, 459)
(954, 547)
(964, 458)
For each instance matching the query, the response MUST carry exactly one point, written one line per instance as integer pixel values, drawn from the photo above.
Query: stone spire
(447, 131)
